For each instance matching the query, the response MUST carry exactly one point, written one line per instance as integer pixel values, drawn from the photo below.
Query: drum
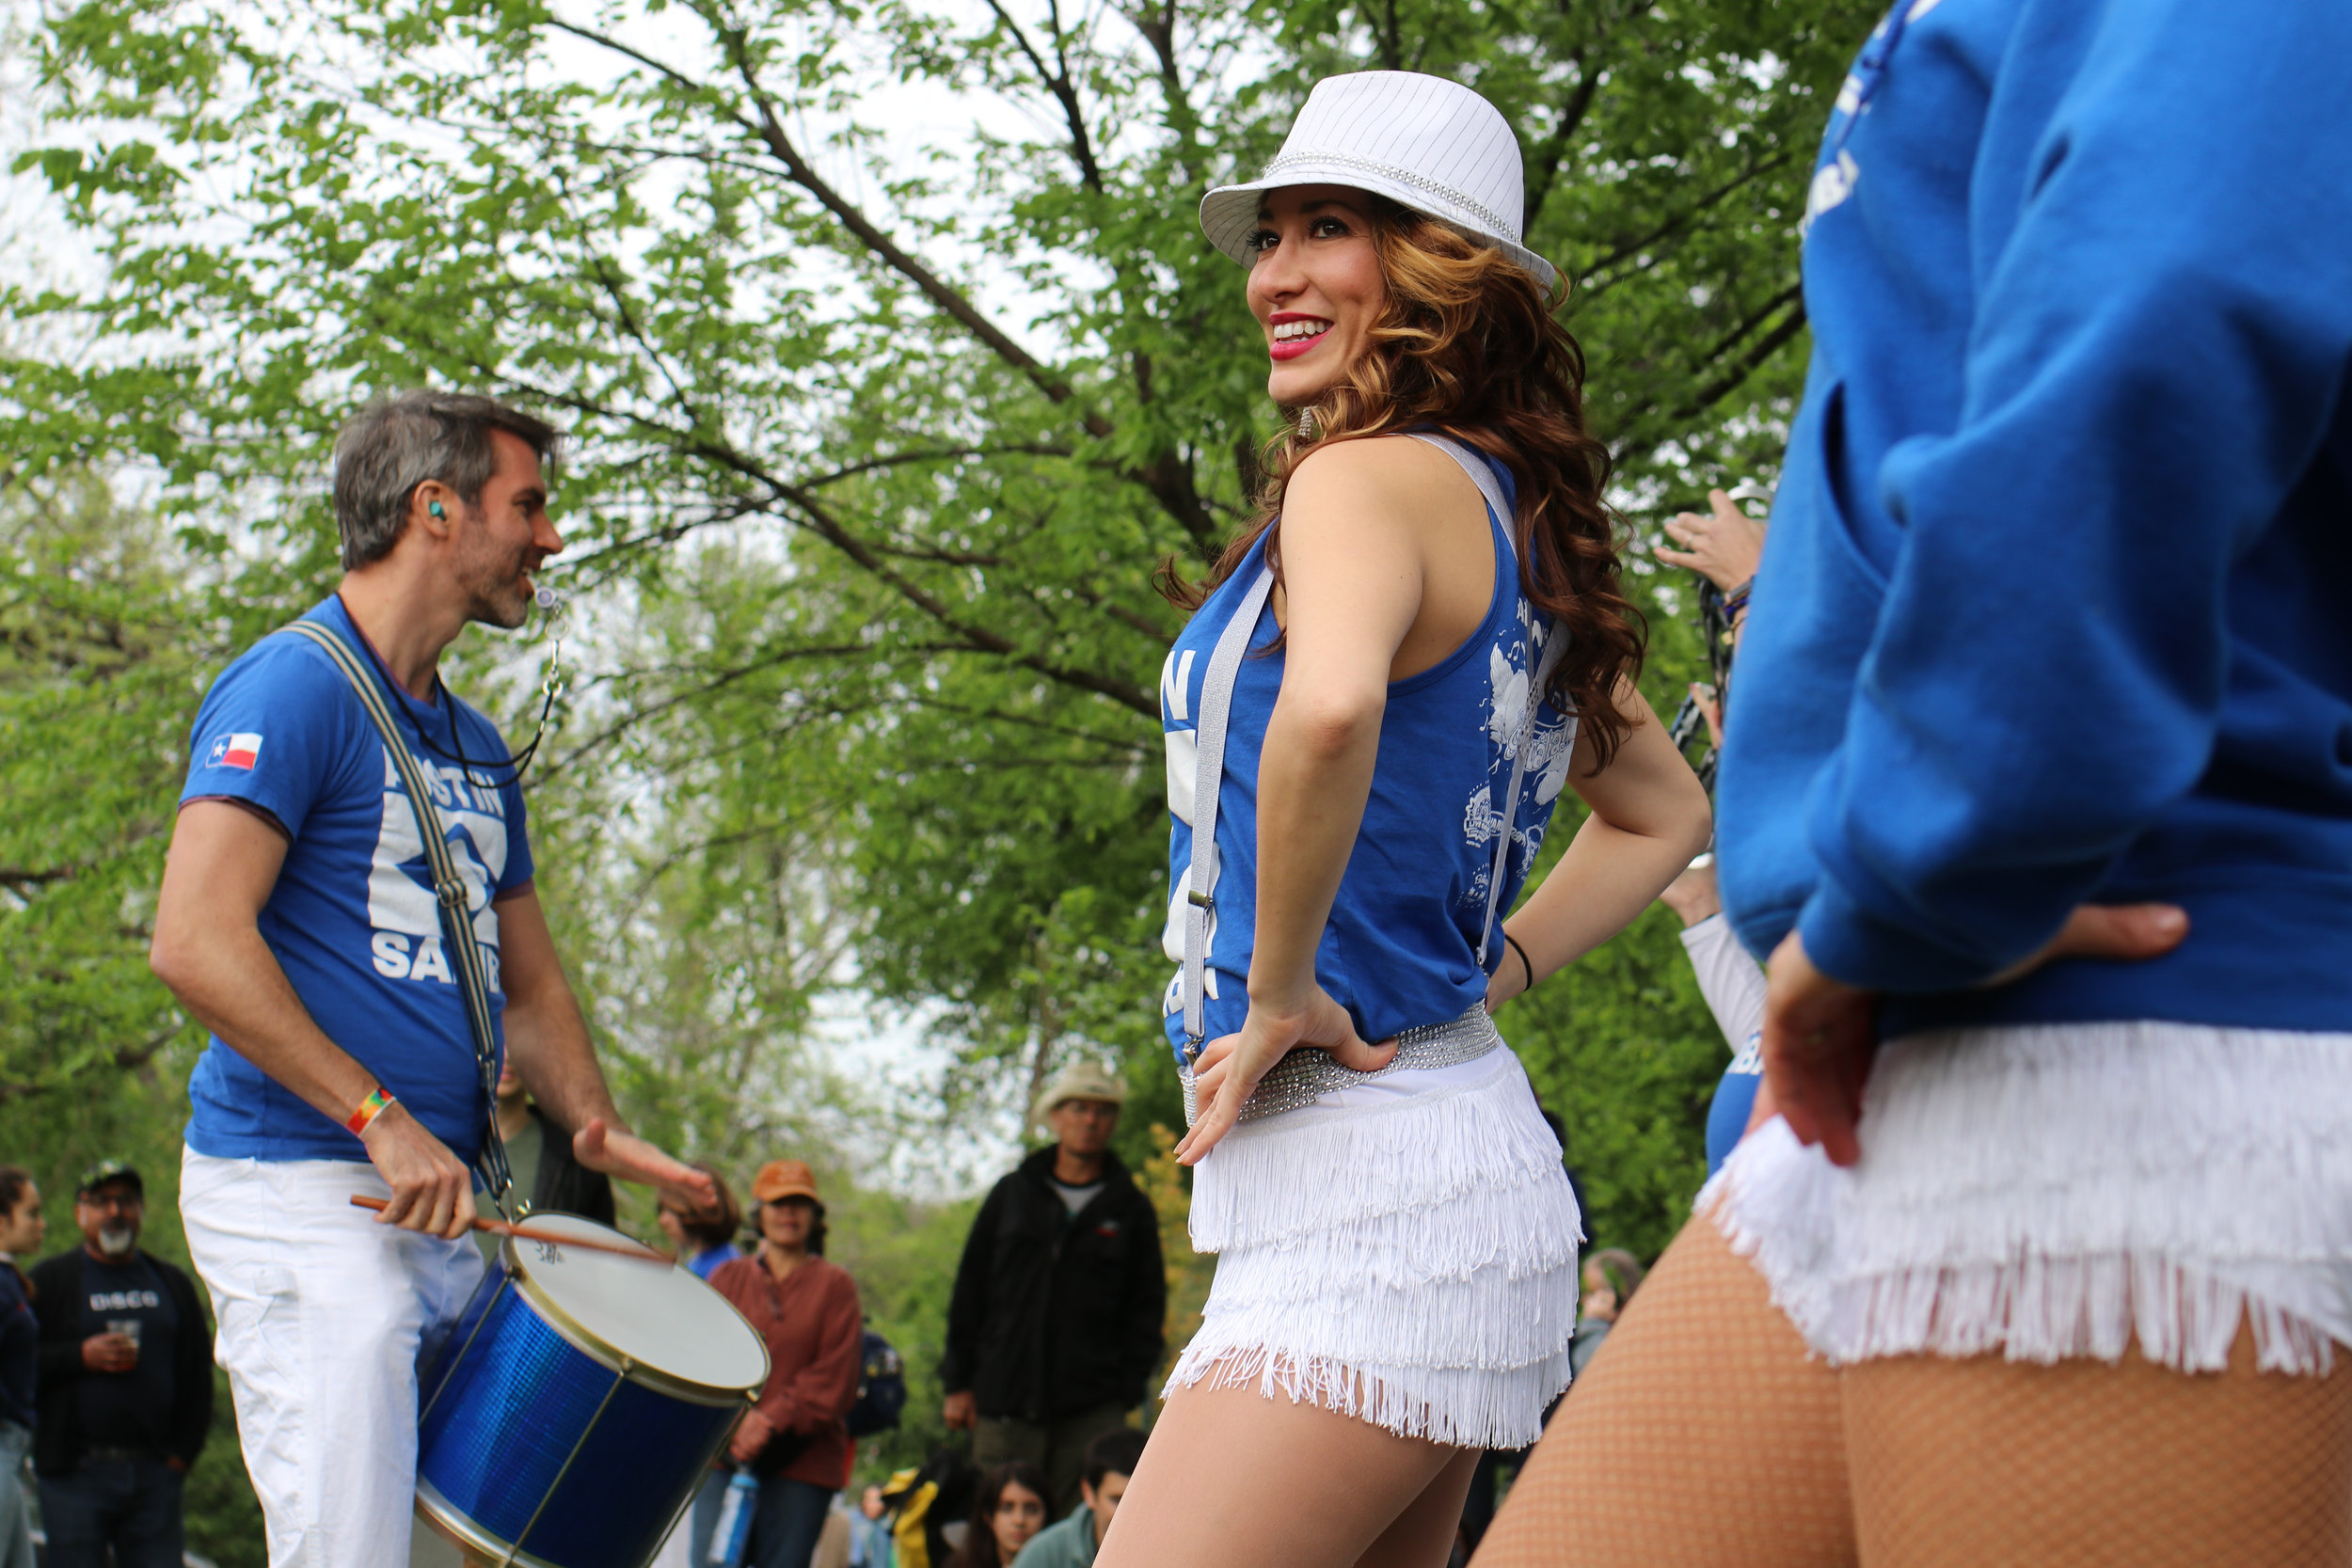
(578, 1404)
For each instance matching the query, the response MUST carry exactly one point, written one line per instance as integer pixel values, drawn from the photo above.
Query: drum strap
(450, 893)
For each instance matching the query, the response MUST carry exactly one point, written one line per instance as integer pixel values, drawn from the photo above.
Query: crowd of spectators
(105, 1381)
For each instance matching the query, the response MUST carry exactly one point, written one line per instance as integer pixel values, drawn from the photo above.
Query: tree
(946, 406)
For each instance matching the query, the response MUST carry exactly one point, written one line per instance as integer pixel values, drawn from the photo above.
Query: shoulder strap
(1479, 475)
(450, 893)
(1217, 702)
(1540, 667)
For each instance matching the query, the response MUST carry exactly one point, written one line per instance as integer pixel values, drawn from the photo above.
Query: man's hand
(632, 1158)
(1820, 1033)
(432, 1190)
(962, 1412)
(109, 1352)
(751, 1436)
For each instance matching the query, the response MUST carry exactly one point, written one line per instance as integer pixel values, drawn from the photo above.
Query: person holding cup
(126, 1384)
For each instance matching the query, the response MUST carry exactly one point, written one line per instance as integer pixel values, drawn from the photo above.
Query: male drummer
(297, 921)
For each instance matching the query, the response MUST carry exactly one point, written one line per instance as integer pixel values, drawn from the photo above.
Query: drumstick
(549, 1238)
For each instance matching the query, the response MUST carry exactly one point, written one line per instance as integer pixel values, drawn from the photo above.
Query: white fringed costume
(2052, 1191)
(1402, 1251)
(1397, 1246)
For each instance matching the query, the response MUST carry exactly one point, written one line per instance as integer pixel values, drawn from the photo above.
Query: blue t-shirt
(353, 920)
(1400, 946)
(705, 1264)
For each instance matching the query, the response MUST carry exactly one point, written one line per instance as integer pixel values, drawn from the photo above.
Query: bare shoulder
(1385, 479)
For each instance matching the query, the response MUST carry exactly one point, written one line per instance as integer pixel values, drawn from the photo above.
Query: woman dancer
(1369, 721)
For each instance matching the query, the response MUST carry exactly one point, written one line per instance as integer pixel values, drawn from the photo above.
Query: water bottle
(733, 1531)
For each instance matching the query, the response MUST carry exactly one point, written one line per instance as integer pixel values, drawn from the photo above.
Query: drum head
(649, 1310)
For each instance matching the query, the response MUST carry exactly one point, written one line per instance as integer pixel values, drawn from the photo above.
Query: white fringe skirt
(2055, 1191)
(1401, 1251)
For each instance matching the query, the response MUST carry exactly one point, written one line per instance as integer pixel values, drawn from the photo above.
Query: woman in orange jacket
(794, 1440)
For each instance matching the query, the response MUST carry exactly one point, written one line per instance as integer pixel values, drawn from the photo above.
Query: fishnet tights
(1702, 1437)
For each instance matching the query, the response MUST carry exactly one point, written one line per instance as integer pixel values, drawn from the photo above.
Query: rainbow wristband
(369, 1110)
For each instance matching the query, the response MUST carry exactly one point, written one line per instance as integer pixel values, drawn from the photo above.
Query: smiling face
(786, 1222)
(1316, 286)
(497, 544)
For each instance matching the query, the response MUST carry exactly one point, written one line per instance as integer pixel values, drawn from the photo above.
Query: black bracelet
(1513, 943)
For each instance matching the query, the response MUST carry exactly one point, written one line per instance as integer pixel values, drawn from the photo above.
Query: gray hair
(395, 444)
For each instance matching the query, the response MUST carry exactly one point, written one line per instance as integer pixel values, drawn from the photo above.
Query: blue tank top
(1400, 946)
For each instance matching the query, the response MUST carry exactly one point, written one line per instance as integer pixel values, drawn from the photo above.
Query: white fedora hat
(1430, 144)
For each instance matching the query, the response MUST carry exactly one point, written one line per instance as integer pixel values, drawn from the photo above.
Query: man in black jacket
(126, 1386)
(1055, 1322)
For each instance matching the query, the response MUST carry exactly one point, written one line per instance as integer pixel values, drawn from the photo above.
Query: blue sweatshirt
(2057, 604)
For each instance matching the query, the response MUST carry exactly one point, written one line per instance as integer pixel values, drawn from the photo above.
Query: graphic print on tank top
(1400, 946)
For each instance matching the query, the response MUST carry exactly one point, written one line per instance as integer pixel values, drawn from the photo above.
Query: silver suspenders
(1307, 1073)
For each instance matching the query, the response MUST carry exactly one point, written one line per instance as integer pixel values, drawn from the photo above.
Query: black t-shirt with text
(133, 1409)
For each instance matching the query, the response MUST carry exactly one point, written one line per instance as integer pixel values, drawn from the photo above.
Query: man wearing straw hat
(349, 907)
(1055, 1320)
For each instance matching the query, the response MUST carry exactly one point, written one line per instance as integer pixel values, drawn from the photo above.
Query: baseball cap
(104, 1171)
(781, 1178)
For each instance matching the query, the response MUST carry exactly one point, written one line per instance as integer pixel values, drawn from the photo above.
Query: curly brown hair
(1467, 345)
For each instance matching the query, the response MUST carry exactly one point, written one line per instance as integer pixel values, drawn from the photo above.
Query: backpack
(925, 1502)
(881, 1388)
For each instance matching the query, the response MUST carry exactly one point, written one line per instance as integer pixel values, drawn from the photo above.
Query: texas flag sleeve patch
(235, 751)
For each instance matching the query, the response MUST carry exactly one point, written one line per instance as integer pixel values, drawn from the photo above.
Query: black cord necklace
(550, 687)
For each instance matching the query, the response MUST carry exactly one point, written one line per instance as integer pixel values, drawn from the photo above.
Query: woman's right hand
(1821, 1034)
(1231, 1064)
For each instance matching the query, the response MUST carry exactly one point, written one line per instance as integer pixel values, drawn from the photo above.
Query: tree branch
(1681, 220)
(1748, 363)
(1547, 166)
(1056, 80)
(769, 131)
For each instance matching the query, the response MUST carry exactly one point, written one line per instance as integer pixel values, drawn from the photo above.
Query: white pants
(324, 1318)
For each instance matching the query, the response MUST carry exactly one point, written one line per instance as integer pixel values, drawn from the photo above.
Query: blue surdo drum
(578, 1404)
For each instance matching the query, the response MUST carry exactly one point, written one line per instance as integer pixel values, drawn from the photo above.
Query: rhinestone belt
(1307, 1073)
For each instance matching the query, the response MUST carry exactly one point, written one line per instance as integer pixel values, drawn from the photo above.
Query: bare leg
(1701, 1436)
(1423, 1533)
(2082, 1465)
(1238, 1480)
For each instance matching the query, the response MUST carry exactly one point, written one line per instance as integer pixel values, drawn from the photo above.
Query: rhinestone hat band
(1403, 176)
(1306, 1074)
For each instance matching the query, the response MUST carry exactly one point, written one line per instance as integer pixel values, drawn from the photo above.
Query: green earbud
(434, 507)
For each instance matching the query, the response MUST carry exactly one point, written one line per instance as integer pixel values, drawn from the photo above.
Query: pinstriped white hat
(1433, 145)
